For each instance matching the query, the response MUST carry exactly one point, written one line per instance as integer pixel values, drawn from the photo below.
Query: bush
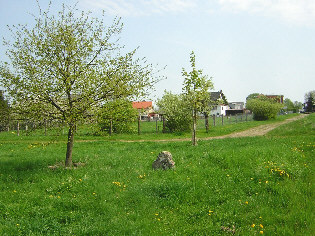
(121, 113)
(264, 108)
(176, 112)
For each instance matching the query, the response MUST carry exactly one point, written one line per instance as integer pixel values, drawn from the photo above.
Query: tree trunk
(18, 128)
(68, 162)
(111, 127)
(207, 122)
(194, 143)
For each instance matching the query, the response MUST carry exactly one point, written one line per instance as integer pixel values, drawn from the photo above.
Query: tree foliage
(196, 91)
(252, 96)
(292, 106)
(176, 112)
(310, 101)
(117, 115)
(4, 112)
(264, 108)
(68, 65)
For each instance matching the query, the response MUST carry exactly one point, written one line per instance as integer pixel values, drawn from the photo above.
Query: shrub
(121, 113)
(176, 111)
(264, 108)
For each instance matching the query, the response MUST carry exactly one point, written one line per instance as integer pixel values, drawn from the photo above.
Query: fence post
(222, 119)
(139, 118)
(156, 125)
(163, 119)
(213, 120)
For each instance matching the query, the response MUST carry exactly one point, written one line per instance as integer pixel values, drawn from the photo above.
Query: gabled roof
(214, 96)
(142, 105)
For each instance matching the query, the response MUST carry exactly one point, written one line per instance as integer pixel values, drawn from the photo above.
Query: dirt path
(256, 131)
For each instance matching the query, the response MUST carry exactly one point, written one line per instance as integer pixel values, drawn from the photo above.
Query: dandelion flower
(261, 232)
(261, 226)
(246, 202)
(253, 225)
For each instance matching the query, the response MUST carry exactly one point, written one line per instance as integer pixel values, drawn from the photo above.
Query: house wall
(219, 110)
(236, 105)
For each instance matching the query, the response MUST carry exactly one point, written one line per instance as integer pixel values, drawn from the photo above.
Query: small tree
(264, 108)
(196, 90)
(292, 106)
(68, 65)
(310, 101)
(176, 111)
(117, 116)
(297, 106)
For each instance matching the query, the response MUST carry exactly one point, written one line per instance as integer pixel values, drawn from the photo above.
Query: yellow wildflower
(261, 226)
(261, 232)
(246, 202)
(253, 225)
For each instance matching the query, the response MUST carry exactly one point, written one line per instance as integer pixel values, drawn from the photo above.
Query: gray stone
(164, 161)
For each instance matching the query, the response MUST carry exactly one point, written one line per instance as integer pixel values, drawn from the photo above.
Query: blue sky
(247, 46)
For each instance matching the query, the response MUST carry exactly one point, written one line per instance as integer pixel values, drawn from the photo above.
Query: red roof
(142, 105)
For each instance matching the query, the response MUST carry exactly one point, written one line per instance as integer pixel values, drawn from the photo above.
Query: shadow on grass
(15, 171)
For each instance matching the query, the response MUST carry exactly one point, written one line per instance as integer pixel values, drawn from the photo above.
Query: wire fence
(156, 125)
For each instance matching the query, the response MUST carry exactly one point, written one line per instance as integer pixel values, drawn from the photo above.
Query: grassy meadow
(242, 186)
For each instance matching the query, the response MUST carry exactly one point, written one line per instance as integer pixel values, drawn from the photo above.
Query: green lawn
(250, 185)
(148, 131)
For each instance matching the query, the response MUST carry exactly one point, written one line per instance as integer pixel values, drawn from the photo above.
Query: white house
(219, 110)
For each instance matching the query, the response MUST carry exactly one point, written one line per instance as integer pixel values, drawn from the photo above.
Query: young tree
(68, 65)
(297, 106)
(196, 90)
(289, 106)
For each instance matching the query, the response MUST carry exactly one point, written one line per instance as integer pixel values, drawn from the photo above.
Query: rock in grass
(163, 161)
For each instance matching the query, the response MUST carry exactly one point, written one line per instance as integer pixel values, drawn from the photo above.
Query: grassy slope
(265, 180)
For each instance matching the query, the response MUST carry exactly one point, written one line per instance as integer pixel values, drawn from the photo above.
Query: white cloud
(293, 11)
(138, 7)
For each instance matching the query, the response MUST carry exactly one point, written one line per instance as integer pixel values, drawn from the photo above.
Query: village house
(145, 110)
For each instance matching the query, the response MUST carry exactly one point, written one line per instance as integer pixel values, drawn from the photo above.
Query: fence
(141, 126)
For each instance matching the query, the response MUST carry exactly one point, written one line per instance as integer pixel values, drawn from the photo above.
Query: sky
(246, 46)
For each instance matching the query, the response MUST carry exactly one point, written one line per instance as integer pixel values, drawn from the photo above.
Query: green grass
(244, 181)
(148, 131)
